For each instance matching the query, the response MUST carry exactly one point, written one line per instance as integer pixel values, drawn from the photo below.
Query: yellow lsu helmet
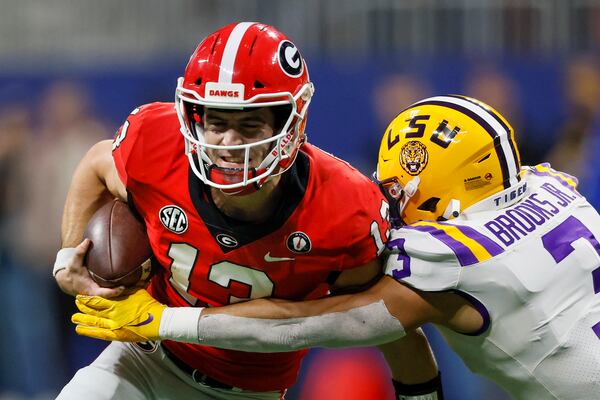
(444, 154)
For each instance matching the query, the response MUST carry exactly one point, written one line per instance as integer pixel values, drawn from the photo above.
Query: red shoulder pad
(367, 225)
(139, 136)
(352, 209)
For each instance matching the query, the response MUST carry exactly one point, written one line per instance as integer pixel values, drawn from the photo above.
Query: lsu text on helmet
(240, 66)
(445, 154)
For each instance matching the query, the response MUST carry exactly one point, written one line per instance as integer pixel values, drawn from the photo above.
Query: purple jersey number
(558, 243)
(402, 256)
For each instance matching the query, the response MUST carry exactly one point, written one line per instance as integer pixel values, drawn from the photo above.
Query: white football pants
(125, 371)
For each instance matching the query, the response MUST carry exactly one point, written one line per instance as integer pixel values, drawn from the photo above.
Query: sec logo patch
(174, 219)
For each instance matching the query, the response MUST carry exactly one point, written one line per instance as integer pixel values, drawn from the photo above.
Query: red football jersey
(330, 218)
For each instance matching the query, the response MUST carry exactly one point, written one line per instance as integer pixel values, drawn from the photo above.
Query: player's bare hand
(75, 279)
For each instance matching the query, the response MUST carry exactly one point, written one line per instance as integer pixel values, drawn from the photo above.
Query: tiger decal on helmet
(414, 157)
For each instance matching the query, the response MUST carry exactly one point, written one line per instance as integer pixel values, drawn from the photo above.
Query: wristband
(180, 324)
(430, 390)
(63, 257)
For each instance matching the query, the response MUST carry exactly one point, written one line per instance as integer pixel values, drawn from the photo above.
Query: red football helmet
(244, 65)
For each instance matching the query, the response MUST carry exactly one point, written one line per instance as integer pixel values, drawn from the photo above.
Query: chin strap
(408, 191)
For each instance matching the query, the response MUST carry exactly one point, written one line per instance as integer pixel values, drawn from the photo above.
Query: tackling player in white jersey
(504, 259)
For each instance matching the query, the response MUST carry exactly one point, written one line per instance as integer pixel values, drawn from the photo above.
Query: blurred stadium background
(71, 71)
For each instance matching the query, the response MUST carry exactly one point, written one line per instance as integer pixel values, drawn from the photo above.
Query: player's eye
(251, 129)
(216, 125)
(252, 126)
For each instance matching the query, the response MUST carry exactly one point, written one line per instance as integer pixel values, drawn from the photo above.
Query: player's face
(230, 128)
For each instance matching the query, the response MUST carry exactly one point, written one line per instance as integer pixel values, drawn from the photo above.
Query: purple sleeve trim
(480, 308)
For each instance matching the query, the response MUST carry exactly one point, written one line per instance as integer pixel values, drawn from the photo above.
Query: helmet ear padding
(281, 114)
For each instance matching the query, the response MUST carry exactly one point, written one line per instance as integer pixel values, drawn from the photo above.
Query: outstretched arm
(404, 304)
(378, 315)
(381, 314)
(263, 325)
(412, 308)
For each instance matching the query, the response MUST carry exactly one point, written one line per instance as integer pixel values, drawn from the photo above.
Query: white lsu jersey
(533, 271)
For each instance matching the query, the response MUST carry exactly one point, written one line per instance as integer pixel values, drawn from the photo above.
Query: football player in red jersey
(251, 211)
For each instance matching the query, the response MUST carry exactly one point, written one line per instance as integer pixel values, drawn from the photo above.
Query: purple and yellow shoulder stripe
(469, 246)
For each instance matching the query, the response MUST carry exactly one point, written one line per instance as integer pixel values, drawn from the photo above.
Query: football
(120, 253)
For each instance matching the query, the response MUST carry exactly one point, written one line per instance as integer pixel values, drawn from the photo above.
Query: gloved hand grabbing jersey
(138, 317)
(134, 317)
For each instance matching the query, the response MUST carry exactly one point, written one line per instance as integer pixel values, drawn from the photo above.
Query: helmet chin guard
(242, 66)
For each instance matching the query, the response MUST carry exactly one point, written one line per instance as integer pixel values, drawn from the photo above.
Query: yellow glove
(133, 317)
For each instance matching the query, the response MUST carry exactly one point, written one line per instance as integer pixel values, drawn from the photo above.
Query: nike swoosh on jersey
(268, 258)
(146, 322)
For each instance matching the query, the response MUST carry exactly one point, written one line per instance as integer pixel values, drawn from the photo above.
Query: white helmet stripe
(496, 116)
(503, 134)
(231, 49)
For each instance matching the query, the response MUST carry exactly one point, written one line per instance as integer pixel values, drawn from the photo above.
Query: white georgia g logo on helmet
(289, 59)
